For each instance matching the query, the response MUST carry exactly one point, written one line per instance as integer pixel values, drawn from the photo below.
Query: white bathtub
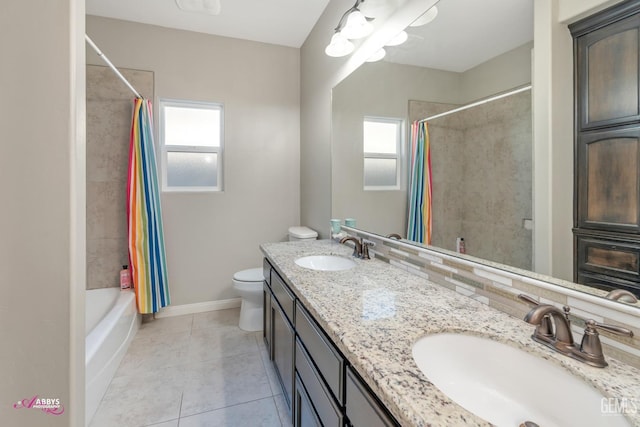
(111, 323)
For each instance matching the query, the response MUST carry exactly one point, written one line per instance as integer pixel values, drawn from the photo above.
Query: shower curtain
(419, 221)
(144, 216)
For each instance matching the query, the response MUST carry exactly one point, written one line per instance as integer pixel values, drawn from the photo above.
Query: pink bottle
(125, 278)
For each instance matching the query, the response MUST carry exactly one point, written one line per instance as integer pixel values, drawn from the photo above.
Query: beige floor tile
(283, 410)
(212, 343)
(217, 319)
(148, 355)
(172, 423)
(139, 401)
(165, 325)
(259, 413)
(220, 383)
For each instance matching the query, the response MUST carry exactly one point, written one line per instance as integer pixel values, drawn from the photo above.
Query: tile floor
(194, 371)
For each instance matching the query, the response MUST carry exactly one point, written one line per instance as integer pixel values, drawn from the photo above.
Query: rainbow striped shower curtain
(420, 190)
(144, 216)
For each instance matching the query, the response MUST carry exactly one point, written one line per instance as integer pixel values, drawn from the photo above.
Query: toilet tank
(302, 233)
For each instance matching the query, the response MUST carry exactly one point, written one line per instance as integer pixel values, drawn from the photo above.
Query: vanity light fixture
(353, 25)
(377, 56)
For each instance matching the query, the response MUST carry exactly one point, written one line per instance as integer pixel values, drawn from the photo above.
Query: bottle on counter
(125, 278)
(460, 245)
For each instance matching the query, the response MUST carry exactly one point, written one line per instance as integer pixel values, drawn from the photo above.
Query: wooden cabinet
(312, 371)
(607, 147)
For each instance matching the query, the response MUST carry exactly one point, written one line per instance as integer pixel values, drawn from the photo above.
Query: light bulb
(339, 46)
(357, 26)
(398, 40)
(425, 18)
(380, 53)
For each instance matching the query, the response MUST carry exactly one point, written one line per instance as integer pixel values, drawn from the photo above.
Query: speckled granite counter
(375, 312)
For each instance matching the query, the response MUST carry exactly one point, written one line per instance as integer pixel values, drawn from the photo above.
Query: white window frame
(398, 156)
(166, 149)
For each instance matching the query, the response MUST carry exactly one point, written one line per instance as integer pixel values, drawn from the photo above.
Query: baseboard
(198, 307)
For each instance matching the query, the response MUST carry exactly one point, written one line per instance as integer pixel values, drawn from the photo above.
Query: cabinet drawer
(329, 362)
(266, 318)
(283, 295)
(266, 271)
(609, 257)
(326, 408)
(363, 409)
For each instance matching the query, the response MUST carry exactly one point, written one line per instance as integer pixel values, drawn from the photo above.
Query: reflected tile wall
(109, 108)
(482, 177)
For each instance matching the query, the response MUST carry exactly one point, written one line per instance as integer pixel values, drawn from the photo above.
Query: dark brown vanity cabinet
(319, 387)
(607, 148)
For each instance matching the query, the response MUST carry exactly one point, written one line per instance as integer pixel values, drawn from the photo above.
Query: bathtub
(111, 323)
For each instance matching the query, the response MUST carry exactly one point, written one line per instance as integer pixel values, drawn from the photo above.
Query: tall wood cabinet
(607, 148)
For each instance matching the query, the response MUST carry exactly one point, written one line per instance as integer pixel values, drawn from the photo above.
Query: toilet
(248, 284)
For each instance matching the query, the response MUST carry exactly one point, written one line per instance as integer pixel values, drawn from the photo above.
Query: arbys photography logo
(619, 406)
(46, 405)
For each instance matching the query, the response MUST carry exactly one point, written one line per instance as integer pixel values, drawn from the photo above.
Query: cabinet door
(607, 74)
(304, 416)
(266, 318)
(282, 346)
(607, 173)
(363, 409)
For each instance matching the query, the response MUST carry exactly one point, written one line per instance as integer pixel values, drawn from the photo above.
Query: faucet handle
(593, 325)
(366, 244)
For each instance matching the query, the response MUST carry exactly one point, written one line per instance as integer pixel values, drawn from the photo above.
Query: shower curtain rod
(113, 67)
(476, 103)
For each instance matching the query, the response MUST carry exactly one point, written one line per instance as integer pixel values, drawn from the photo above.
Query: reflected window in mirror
(382, 152)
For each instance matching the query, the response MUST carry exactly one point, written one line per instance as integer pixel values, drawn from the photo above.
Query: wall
(42, 216)
(209, 236)
(109, 110)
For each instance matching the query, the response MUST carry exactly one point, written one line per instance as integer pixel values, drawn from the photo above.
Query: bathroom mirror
(482, 191)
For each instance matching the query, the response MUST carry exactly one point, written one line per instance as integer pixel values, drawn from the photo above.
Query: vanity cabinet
(318, 384)
(607, 148)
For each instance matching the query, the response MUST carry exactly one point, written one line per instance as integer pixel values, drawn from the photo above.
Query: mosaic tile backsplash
(499, 286)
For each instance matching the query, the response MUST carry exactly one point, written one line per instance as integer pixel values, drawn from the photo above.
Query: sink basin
(325, 263)
(508, 386)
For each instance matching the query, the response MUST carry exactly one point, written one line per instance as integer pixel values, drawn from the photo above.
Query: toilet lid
(302, 232)
(250, 275)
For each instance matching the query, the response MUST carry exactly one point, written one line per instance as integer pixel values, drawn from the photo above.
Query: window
(382, 142)
(191, 140)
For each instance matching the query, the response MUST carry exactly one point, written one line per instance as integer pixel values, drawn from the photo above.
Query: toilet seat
(252, 275)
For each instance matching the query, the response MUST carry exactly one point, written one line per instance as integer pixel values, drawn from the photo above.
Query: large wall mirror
(481, 157)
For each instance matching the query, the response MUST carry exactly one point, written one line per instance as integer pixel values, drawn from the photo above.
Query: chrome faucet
(561, 338)
(622, 295)
(361, 247)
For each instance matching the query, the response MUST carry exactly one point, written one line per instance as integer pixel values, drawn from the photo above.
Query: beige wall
(209, 236)
(553, 132)
(42, 215)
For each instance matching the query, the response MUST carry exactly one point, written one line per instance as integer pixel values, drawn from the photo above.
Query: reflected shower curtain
(419, 221)
(144, 216)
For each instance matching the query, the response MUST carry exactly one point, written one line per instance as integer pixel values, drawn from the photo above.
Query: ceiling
(464, 34)
(281, 22)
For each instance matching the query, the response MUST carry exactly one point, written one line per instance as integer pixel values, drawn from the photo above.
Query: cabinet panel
(608, 180)
(305, 415)
(266, 318)
(363, 409)
(326, 358)
(610, 257)
(283, 295)
(326, 408)
(607, 72)
(607, 283)
(266, 271)
(283, 348)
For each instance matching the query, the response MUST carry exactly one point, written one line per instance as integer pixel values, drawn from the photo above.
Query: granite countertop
(375, 312)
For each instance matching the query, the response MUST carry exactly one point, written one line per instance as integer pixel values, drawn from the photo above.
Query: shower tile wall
(482, 177)
(109, 108)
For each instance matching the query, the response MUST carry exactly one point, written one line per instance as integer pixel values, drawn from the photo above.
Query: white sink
(325, 263)
(507, 386)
